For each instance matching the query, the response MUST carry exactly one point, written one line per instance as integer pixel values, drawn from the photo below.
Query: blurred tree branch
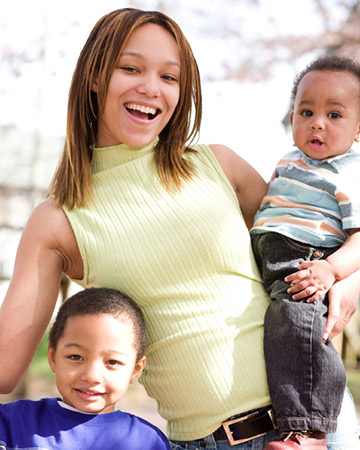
(343, 39)
(223, 28)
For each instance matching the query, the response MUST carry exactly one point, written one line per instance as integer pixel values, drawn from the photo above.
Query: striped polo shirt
(312, 201)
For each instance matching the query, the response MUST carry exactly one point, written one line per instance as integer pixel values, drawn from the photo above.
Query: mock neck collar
(108, 157)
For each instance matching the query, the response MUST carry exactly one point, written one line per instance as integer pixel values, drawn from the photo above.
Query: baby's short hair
(330, 63)
(95, 301)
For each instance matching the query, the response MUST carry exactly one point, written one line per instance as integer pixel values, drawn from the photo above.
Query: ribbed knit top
(185, 257)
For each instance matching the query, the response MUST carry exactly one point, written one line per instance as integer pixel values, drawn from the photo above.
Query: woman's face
(143, 90)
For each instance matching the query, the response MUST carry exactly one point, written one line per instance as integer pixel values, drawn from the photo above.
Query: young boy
(96, 349)
(310, 221)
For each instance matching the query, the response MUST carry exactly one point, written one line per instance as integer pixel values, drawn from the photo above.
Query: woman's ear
(95, 86)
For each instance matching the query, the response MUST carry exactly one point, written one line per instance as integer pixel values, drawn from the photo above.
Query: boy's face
(94, 362)
(326, 117)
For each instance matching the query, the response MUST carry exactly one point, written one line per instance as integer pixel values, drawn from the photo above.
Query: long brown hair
(72, 183)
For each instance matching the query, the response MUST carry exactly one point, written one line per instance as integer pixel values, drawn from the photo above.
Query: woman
(132, 208)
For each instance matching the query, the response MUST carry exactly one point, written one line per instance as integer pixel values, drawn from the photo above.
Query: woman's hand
(343, 303)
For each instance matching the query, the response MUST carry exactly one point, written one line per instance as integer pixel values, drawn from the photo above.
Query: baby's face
(95, 361)
(326, 117)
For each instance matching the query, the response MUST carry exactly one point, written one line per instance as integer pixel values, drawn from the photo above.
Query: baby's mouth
(316, 142)
(141, 111)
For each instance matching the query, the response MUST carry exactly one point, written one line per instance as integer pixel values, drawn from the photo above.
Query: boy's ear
(51, 358)
(291, 116)
(139, 367)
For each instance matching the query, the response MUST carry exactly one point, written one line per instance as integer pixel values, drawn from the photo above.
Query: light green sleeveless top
(186, 259)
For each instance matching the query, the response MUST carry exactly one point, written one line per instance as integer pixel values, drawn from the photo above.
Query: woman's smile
(142, 111)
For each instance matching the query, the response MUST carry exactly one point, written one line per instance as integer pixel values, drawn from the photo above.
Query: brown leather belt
(246, 428)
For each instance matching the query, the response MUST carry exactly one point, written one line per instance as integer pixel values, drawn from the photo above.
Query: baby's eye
(334, 115)
(306, 113)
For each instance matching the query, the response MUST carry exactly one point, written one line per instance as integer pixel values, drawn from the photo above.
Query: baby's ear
(357, 137)
(139, 367)
(51, 358)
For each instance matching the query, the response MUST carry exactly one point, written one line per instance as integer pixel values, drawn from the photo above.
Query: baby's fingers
(296, 276)
(317, 296)
(311, 293)
(300, 290)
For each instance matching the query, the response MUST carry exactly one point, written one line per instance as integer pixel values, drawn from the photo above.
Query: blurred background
(248, 52)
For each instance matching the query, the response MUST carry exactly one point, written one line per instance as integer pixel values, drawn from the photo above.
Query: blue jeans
(346, 437)
(208, 443)
(306, 377)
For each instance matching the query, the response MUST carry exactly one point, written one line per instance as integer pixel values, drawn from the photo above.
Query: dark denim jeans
(306, 377)
(209, 443)
(346, 437)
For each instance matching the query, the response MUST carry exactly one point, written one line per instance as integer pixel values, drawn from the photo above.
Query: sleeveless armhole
(78, 232)
(208, 154)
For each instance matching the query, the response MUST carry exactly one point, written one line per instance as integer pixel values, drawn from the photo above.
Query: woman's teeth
(141, 108)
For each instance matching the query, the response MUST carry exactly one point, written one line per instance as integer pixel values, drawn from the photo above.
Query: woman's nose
(150, 86)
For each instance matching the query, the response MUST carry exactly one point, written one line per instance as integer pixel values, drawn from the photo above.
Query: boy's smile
(95, 361)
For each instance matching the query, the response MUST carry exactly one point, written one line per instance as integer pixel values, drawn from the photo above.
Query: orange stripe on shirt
(278, 201)
(318, 226)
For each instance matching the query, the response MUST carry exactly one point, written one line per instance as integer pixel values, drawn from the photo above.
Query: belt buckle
(226, 425)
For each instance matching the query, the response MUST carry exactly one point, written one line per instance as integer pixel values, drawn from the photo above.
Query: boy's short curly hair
(329, 63)
(95, 301)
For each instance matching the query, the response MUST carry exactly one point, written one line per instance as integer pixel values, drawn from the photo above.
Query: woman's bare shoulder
(51, 226)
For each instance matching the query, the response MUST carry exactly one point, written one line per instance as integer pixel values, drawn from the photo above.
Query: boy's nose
(92, 373)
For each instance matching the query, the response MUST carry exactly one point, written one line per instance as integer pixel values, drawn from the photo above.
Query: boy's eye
(75, 357)
(334, 115)
(114, 363)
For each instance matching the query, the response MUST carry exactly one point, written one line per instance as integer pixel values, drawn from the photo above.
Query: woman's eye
(169, 78)
(129, 69)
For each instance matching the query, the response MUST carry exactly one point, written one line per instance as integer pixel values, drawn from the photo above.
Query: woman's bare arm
(249, 186)
(250, 189)
(41, 258)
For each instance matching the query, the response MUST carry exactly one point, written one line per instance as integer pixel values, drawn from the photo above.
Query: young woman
(133, 207)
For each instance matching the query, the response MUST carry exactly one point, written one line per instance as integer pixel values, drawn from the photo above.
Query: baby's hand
(313, 280)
